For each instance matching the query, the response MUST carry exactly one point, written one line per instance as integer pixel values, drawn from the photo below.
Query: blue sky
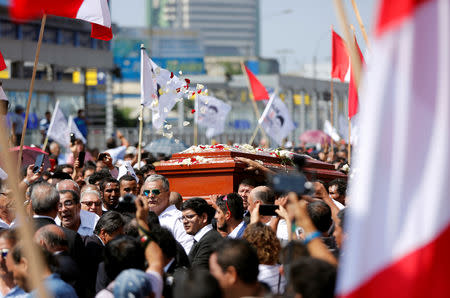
(300, 34)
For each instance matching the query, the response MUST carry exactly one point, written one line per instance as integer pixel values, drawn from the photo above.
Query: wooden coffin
(201, 174)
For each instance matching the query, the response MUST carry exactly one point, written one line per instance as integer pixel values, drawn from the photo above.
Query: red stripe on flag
(2, 62)
(422, 273)
(30, 9)
(258, 89)
(352, 90)
(392, 13)
(101, 32)
(339, 57)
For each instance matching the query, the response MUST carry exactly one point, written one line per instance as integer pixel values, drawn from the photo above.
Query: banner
(211, 113)
(58, 130)
(275, 120)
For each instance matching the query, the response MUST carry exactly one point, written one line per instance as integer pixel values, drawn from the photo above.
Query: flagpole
(361, 24)
(30, 93)
(331, 96)
(354, 55)
(349, 145)
(255, 107)
(196, 120)
(141, 127)
(25, 227)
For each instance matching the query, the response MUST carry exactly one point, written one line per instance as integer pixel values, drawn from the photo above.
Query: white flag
(148, 81)
(211, 113)
(73, 128)
(275, 120)
(169, 89)
(125, 169)
(331, 131)
(58, 130)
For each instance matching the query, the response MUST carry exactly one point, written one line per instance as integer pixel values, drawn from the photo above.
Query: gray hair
(65, 181)
(44, 198)
(90, 191)
(156, 177)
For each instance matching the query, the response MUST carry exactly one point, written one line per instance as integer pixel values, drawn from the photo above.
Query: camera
(126, 204)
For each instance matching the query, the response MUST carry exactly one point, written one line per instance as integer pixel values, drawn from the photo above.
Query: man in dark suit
(109, 226)
(53, 239)
(44, 202)
(197, 215)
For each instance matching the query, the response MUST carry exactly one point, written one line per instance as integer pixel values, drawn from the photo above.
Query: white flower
(168, 126)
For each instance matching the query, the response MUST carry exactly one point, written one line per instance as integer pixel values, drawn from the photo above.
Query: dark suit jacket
(200, 252)
(69, 272)
(74, 241)
(94, 255)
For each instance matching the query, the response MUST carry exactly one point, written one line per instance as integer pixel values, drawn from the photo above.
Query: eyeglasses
(225, 199)
(90, 203)
(187, 217)
(4, 252)
(68, 203)
(154, 191)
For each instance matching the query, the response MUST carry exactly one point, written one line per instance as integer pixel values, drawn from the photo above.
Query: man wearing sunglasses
(157, 193)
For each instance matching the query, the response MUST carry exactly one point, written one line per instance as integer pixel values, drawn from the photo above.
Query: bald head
(264, 194)
(52, 238)
(68, 184)
(176, 199)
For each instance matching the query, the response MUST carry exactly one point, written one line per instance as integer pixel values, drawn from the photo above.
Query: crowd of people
(103, 232)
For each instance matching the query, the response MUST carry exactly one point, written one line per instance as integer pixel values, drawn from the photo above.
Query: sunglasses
(154, 191)
(90, 203)
(4, 252)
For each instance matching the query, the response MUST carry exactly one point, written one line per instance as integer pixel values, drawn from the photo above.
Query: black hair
(320, 214)
(58, 174)
(166, 241)
(75, 196)
(123, 252)
(88, 167)
(341, 186)
(106, 181)
(111, 143)
(214, 108)
(234, 203)
(100, 175)
(313, 278)
(110, 222)
(281, 119)
(240, 254)
(188, 282)
(249, 181)
(126, 177)
(199, 206)
(62, 167)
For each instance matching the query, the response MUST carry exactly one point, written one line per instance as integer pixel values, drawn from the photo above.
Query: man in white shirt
(157, 191)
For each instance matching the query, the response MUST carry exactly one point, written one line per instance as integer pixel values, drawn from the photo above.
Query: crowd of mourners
(103, 233)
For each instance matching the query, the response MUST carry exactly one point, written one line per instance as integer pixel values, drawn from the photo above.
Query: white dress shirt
(88, 222)
(4, 225)
(236, 230)
(202, 232)
(169, 219)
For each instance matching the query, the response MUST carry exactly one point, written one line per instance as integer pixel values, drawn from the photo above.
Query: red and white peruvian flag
(95, 12)
(399, 218)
